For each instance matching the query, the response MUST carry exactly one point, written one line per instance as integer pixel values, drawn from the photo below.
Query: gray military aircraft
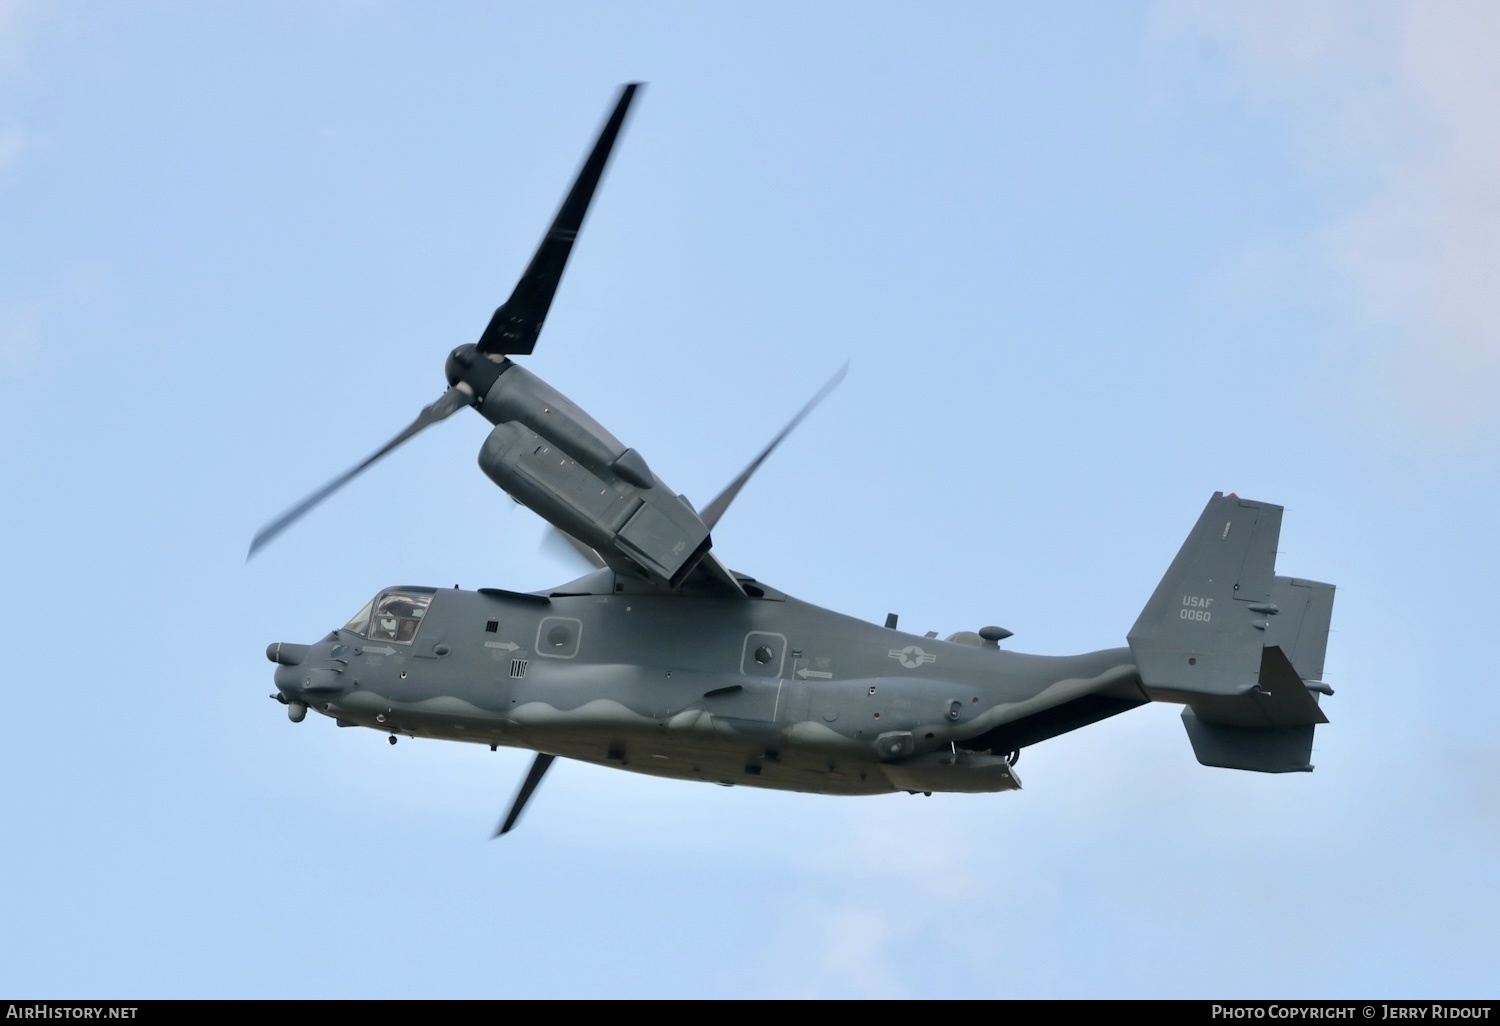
(665, 661)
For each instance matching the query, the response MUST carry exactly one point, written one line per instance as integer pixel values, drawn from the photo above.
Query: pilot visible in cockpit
(397, 616)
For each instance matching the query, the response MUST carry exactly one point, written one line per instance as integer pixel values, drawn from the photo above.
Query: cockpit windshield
(361, 620)
(394, 615)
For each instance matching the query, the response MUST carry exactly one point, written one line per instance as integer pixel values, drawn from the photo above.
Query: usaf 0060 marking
(663, 660)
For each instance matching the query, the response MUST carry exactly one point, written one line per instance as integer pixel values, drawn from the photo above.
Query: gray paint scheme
(663, 661)
(668, 684)
(764, 690)
(1241, 647)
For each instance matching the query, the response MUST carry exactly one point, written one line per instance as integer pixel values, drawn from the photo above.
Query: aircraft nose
(289, 684)
(288, 677)
(289, 681)
(285, 654)
(299, 682)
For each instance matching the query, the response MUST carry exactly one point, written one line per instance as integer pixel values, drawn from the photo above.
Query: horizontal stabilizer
(1269, 730)
(1279, 699)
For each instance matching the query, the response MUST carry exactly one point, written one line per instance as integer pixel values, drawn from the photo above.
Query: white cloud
(1395, 104)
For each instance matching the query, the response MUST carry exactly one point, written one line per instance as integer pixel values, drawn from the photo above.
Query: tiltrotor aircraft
(665, 661)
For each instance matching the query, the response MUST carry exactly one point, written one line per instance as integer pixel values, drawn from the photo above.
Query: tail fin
(1236, 644)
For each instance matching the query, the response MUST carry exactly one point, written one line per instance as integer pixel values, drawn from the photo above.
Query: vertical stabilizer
(1236, 644)
(1202, 631)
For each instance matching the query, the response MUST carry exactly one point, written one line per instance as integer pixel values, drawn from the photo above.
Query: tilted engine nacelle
(560, 463)
(544, 451)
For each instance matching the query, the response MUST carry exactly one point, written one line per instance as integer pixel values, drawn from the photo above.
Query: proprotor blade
(514, 328)
(447, 404)
(533, 778)
(570, 549)
(714, 510)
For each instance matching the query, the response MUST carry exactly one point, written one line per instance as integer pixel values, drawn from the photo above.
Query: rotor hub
(459, 361)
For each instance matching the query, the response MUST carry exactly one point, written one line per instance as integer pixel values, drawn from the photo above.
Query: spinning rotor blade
(714, 510)
(533, 778)
(567, 547)
(447, 404)
(472, 369)
(570, 550)
(514, 328)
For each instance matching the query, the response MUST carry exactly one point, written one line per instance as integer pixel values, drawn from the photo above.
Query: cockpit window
(395, 615)
(361, 620)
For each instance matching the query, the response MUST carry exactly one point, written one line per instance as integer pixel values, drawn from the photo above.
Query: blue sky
(1090, 263)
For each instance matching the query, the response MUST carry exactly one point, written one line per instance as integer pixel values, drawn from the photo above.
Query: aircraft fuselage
(770, 692)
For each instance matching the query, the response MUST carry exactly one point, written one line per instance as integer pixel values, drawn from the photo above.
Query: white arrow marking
(509, 646)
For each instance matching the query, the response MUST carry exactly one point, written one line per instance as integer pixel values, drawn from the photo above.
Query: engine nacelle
(559, 462)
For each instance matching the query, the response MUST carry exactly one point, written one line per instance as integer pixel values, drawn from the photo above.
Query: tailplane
(1241, 648)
